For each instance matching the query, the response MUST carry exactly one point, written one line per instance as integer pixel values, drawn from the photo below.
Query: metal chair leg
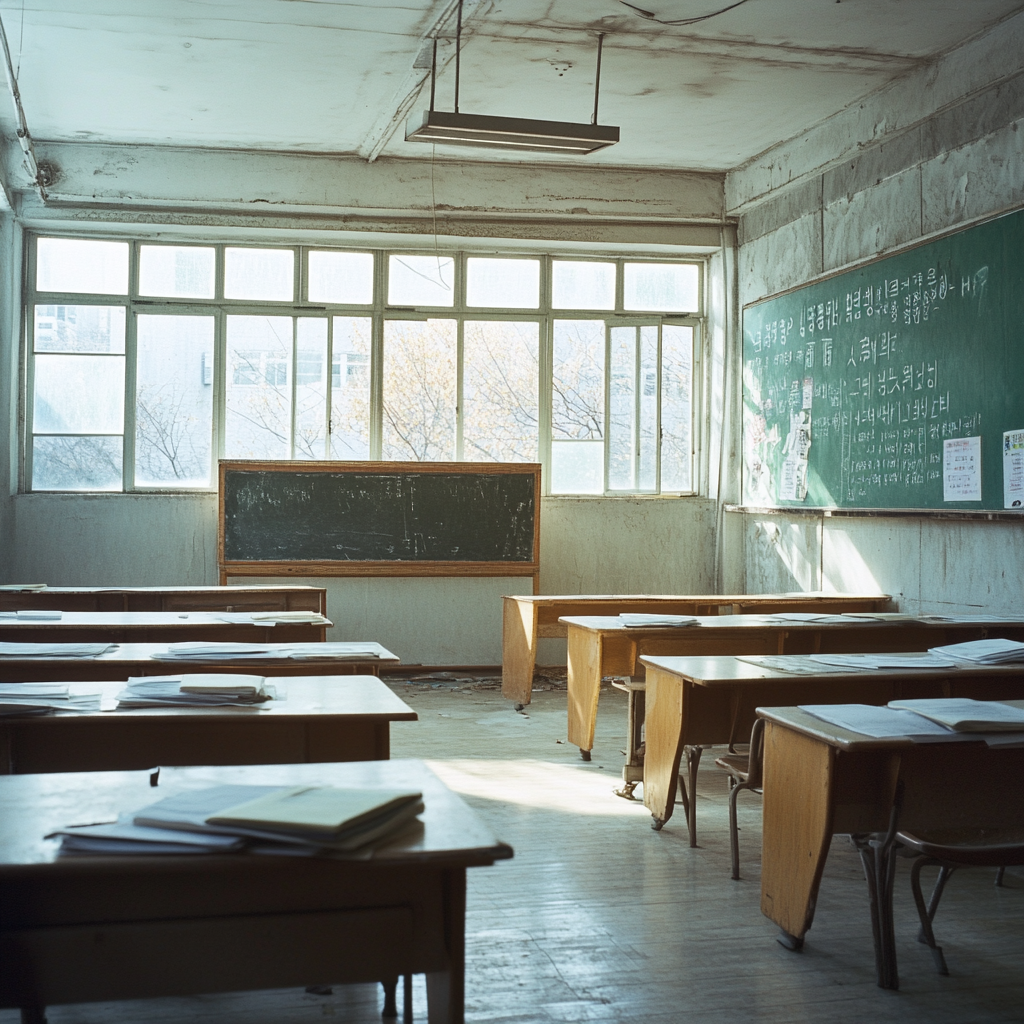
(734, 829)
(999, 876)
(926, 912)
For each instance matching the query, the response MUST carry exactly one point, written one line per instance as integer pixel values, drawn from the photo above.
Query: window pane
(78, 395)
(177, 271)
(647, 475)
(257, 419)
(79, 329)
(577, 467)
(82, 265)
(173, 401)
(419, 389)
(421, 281)
(310, 388)
(266, 274)
(499, 391)
(350, 388)
(622, 441)
(341, 277)
(507, 284)
(676, 392)
(670, 287)
(77, 463)
(577, 284)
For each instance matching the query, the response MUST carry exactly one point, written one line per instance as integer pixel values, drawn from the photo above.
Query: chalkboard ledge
(961, 514)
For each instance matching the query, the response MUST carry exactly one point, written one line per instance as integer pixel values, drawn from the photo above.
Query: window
(149, 361)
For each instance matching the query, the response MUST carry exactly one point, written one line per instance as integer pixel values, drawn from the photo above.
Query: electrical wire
(650, 16)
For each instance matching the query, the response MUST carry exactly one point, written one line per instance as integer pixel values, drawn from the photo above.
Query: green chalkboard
(898, 385)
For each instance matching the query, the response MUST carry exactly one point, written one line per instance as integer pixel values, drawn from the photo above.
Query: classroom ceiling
(338, 76)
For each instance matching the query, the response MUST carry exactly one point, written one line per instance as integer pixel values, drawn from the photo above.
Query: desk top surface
(751, 623)
(363, 697)
(33, 805)
(182, 621)
(796, 598)
(151, 654)
(727, 670)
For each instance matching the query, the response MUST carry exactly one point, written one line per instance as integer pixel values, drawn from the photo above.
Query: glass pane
(499, 391)
(310, 388)
(82, 265)
(647, 477)
(266, 274)
(173, 401)
(419, 389)
(578, 284)
(341, 277)
(622, 442)
(507, 284)
(78, 395)
(178, 271)
(257, 420)
(670, 287)
(577, 467)
(79, 329)
(77, 463)
(350, 388)
(676, 395)
(421, 281)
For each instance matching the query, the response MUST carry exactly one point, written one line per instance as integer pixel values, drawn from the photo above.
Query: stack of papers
(984, 652)
(273, 618)
(231, 652)
(33, 615)
(266, 819)
(896, 659)
(195, 690)
(57, 651)
(45, 695)
(353, 649)
(635, 619)
(962, 714)
(878, 723)
(932, 720)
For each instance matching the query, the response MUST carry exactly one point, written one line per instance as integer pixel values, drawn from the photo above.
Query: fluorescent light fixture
(511, 133)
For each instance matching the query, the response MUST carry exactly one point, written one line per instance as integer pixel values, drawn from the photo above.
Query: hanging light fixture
(509, 133)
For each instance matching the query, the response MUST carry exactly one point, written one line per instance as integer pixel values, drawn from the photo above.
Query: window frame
(378, 312)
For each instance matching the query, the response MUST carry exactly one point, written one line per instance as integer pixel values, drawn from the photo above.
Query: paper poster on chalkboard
(1013, 469)
(853, 385)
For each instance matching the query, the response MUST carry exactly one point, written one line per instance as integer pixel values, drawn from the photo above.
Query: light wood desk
(601, 646)
(93, 928)
(529, 618)
(320, 718)
(697, 702)
(270, 598)
(156, 627)
(142, 660)
(820, 781)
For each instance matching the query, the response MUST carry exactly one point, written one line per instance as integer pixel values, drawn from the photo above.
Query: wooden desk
(696, 702)
(156, 627)
(526, 619)
(85, 929)
(600, 646)
(139, 660)
(270, 598)
(321, 718)
(820, 780)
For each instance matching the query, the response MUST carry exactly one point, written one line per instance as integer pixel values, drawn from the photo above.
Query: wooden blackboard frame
(314, 568)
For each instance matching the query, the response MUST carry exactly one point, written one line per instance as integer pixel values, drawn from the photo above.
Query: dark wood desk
(821, 780)
(157, 627)
(139, 660)
(86, 929)
(601, 646)
(270, 598)
(321, 718)
(529, 618)
(697, 702)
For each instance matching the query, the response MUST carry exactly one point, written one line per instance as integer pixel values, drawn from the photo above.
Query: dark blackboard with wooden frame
(379, 519)
(897, 385)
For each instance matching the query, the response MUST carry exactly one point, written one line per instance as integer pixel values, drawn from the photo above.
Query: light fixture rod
(433, 74)
(458, 54)
(597, 81)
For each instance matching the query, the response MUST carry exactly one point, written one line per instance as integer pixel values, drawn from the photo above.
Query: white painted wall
(939, 148)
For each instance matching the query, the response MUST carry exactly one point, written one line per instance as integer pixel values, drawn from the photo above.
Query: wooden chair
(745, 772)
(949, 850)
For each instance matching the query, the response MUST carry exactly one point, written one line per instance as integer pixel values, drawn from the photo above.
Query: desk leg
(518, 650)
(446, 990)
(584, 688)
(664, 729)
(799, 775)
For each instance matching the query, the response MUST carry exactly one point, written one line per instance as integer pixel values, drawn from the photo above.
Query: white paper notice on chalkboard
(1013, 469)
(961, 469)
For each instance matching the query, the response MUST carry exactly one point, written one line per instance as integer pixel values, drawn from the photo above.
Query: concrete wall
(938, 149)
